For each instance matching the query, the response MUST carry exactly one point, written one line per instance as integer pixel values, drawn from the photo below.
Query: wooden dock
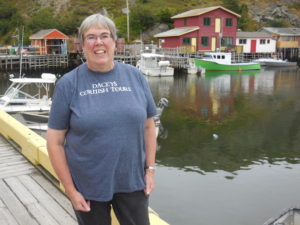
(12, 62)
(26, 196)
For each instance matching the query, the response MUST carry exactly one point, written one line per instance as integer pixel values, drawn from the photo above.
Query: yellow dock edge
(33, 147)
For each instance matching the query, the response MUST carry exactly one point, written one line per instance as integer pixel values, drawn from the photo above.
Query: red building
(50, 41)
(204, 29)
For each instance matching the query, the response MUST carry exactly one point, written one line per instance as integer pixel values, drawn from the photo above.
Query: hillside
(66, 15)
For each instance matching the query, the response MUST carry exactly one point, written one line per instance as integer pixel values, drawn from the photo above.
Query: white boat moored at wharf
(17, 99)
(275, 62)
(152, 64)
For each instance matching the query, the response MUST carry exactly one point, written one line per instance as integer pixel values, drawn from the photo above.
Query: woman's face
(98, 48)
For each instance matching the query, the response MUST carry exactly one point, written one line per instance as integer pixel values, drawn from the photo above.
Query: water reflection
(256, 117)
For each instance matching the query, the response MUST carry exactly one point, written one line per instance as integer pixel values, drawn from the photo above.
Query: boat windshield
(207, 57)
(2, 102)
(14, 93)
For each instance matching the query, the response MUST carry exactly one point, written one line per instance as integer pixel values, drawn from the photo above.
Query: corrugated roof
(176, 32)
(253, 34)
(42, 33)
(197, 12)
(284, 31)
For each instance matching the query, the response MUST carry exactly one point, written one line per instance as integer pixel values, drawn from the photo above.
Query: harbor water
(229, 146)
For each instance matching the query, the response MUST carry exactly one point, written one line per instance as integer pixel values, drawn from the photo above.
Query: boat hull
(214, 66)
(280, 64)
(36, 117)
(275, 62)
(157, 72)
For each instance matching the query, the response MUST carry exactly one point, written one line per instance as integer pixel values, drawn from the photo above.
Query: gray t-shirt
(104, 114)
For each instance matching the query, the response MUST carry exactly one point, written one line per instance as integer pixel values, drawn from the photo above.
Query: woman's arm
(150, 141)
(55, 146)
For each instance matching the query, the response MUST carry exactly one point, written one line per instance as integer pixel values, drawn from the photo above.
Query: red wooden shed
(50, 41)
(204, 29)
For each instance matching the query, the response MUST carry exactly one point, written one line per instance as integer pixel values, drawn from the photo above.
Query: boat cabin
(219, 57)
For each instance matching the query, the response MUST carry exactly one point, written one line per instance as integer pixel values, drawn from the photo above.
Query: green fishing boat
(221, 61)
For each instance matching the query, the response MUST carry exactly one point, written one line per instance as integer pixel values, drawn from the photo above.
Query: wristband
(150, 168)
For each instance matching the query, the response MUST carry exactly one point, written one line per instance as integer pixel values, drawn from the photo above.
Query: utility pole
(21, 49)
(127, 6)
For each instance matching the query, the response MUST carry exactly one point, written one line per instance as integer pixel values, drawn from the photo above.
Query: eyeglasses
(103, 37)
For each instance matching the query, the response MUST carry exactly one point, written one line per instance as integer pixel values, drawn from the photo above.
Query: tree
(141, 19)
(245, 22)
(232, 5)
(9, 21)
(43, 19)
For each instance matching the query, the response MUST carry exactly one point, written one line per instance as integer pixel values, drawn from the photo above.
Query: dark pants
(130, 209)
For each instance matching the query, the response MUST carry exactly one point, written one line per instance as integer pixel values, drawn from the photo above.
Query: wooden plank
(20, 191)
(15, 206)
(23, 166)
(6, 218)
(41, 215)
(12, 163)
(1, 204)
(54, 192)
(8, 153)
(6, 147)
(13, 158)
(16, 173)
(55, 210)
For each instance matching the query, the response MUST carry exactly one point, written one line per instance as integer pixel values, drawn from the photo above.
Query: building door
(213, 43)
(218, 25)
(253, 46)
(194, 44)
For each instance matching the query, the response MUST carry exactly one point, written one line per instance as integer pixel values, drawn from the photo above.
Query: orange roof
(48, 34)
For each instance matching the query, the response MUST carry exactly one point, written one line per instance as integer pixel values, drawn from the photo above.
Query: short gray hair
(97, 20)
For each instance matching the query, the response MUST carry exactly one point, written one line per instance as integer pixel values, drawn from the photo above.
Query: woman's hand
(149, 180)
(78, 202)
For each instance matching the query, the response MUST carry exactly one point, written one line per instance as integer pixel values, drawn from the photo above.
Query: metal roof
(283, 31)
(42, 33)
(176, 32)
(253, 34)
(197, 12)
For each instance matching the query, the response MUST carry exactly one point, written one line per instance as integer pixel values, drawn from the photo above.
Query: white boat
(275, 62)
(152, 64)
(288, 217)
(21, 96)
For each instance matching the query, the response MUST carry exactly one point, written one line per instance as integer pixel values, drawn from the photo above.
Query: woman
(101, 137)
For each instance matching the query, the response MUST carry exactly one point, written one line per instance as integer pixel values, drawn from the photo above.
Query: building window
(227, 42)
(268, 41)
(204, 41)
(229, 22)
(206, 21)
(184, 21)
(242, 41)
(186, 41)
(289, 38)
(262, 41)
